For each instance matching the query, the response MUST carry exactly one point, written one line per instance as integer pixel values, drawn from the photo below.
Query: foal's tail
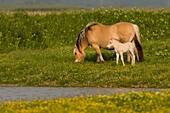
(138, 43)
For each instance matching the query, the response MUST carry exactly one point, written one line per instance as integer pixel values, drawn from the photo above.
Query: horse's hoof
(102, 62)
(98, 61)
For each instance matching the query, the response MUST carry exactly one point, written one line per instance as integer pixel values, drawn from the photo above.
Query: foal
(121, 48)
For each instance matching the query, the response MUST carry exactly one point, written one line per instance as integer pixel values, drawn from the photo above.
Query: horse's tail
(138, 43)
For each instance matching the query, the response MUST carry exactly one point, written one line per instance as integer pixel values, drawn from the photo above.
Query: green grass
(134, 102)
(55, 67)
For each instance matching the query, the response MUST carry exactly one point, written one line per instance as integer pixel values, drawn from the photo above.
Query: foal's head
(112, 44)
(78, 55)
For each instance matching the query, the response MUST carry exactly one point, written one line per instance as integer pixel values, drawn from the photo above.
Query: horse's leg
(117, 58)
(128, 57)
(121, 55)
(99, 54)
(98, 58)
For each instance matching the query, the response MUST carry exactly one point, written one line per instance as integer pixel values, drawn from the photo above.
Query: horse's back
(99, 34)
(124, 31)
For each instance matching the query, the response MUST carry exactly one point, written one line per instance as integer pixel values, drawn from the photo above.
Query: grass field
(55, 67)
(37, 50)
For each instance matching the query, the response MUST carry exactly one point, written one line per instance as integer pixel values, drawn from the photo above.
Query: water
(32, 93)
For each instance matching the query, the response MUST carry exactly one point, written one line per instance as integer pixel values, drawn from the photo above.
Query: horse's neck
(84, 44)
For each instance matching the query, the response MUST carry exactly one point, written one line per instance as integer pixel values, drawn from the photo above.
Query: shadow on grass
(107, 56)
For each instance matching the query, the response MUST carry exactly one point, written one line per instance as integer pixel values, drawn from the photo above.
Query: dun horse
(121, 48)
(98, 36)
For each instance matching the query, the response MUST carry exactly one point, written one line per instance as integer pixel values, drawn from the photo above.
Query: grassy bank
(157, 102)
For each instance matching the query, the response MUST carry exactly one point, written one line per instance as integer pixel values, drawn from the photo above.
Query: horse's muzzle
(76, 61)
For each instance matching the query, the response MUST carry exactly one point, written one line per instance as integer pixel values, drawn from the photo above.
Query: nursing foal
(121, 48)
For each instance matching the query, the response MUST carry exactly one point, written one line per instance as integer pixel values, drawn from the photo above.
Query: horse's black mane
(82, 34)
(88, 27)
(78, 42)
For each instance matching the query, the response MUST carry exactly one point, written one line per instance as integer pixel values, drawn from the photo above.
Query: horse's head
(78, 55)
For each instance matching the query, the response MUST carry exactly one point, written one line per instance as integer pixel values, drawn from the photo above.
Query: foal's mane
(82, 34)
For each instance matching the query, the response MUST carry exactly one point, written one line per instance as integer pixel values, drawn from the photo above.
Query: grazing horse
(121, 48)
(98, 36)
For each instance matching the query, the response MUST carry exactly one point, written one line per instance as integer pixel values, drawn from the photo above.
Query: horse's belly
(104, 43)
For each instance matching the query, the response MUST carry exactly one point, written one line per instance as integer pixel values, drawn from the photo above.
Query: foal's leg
(117, 58)
(136, 51)
(121, 55)
(99, 54)
(132, 56)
